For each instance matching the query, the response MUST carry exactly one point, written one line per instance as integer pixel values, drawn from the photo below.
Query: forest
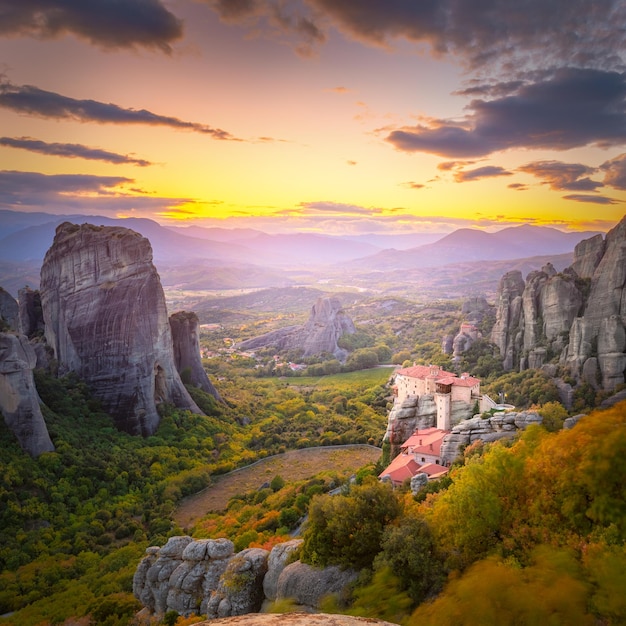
(544, 513)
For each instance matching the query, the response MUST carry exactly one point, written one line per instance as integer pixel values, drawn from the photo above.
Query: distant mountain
(399, 242)
(309, 249)
(216, 234)
(28, 236)
(466, 244)
(31, 242)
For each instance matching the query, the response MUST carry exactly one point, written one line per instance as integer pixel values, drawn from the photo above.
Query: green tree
(346, 530)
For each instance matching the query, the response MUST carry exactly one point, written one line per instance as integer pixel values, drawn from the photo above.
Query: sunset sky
(331, 116)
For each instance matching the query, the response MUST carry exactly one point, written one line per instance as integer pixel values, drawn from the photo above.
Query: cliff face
(19, 401)
(186, 342)
(105, 319)
(578, 316)
(326, 324)
(9, 312)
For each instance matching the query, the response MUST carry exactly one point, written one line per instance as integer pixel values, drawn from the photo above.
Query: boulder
(240, 589)
(19, 400)
(307, 585)
(106, 320)
(276, 563)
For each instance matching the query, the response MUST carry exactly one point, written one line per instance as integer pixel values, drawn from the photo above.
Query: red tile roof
(423, 371)
(402, 467)
(432, 470)
(427, 441)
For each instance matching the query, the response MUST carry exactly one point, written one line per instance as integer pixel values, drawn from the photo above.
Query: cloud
(412, 185)
(488, 171)
(30, 100)
(351, 162)
(340, 90)
(81, 193)
(518, 186)
(128, 24)
(568, 108)
(615, 172)
(563, 176)
(446, 166)
(286, 22)
(71, 150)
(334, 207)
(592, 199)
(485, 34)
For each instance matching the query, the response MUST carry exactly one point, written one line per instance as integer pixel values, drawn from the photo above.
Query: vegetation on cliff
(529, 532)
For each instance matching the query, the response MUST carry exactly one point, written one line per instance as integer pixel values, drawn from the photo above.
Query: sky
(336, 117)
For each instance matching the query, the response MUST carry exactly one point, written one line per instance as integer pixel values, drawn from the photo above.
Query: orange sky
(340, 118)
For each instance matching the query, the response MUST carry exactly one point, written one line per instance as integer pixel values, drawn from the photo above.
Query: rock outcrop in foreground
(19, 400)
(577, 316)
(105, 319)
(326, 324)
(207, 577)
(186, 341)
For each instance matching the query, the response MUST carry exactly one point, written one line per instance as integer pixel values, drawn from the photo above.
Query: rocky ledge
(207, 577)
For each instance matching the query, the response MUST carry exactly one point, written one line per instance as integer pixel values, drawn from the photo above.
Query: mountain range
(215, 258)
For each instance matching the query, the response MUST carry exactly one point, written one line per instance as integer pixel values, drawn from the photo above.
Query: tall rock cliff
(105, 318)
(186, 341)
(9, 311)
(577, 317)
(19, 401)
(326, 324)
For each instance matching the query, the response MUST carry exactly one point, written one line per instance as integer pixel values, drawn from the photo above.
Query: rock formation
(499, 426)
(19, 401)
(326, 324)
(577, 316)
(31, 314)
(105, 319)
(186, 342)
(207, 577)
(415, 413)
(9, 312)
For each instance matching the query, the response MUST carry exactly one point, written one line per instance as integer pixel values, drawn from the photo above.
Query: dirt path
(293, 465)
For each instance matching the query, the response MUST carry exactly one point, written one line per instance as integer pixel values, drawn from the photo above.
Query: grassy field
(293, 465)
(361, 379)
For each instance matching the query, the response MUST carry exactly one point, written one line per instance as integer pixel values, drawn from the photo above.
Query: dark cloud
(488, 171)
(412, 185)
(518, 186)
(486, 33)
(106, 23)
(563, 176)
(31, 100)
(591, 199)
(71, 150)
(81, 193)
(288, 22)
(569, 108)
(491, 31)
(615, 172)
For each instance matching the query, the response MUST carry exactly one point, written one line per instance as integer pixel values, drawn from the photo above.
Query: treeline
(526, 533)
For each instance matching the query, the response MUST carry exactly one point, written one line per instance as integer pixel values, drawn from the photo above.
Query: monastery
(445, 387)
